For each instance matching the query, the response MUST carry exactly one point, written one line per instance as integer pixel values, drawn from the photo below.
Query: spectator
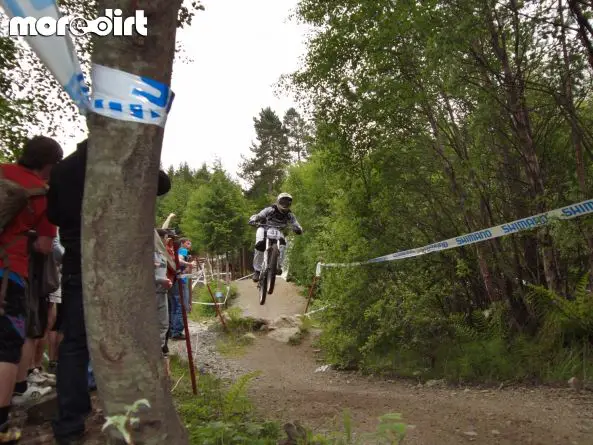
(65, 199)
(55, 298)
(186, 268)
(163, 283)
(40, 154)
(172, 275)
(43, 280)
(180, 291)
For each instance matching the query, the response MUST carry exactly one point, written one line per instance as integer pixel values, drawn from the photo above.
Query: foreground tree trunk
(118, 233)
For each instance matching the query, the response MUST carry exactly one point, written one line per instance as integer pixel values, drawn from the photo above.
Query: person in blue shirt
(186, 267)
(176, 314)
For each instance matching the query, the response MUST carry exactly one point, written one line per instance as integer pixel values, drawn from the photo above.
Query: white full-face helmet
(284, 201)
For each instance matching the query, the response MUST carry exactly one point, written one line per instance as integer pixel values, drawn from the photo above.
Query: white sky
(238, 50)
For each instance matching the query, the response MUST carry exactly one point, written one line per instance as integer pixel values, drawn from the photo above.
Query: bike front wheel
(273, 254)
(263, 286)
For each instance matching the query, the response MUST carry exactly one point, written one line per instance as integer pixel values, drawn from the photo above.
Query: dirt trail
(290, 389)
(284, 301)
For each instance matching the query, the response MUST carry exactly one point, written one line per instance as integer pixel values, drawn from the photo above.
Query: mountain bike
(267, 276)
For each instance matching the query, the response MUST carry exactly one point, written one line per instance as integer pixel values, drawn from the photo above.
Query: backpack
(14, 198)
(44, 278)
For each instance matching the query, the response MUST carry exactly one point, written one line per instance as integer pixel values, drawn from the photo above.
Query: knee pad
(260, 245)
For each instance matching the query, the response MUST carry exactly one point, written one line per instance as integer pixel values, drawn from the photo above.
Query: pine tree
(266, 169)
(298, 133)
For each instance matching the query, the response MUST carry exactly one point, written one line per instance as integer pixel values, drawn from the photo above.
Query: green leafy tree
(216, 214)
(31, 100)
(184, 180)
(432, 122)
(16, 114)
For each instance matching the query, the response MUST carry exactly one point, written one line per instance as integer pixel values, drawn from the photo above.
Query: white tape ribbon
(128, 97)
(116, 94)
(529, 223)
(318, 270)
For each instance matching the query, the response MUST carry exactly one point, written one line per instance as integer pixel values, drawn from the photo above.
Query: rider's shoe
(256, 276)
(31, 395)
(9, 436)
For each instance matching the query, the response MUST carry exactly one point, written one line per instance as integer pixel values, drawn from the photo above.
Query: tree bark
(117, 237)
(460, 194)
(585, 29)
(514, 89)
(567, 100)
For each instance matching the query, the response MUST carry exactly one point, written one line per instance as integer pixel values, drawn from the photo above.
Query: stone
(285, 321)
(284, 335)
(248, 338)
(576, 384)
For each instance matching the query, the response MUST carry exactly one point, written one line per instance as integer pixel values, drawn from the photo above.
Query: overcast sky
(238, 51)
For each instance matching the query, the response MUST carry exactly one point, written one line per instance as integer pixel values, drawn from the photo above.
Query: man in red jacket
(31, 171)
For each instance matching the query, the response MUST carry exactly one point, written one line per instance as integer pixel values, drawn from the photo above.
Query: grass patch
(224, 415)
(239, 335)
(236, 322)
(233, 345)
(201, 295)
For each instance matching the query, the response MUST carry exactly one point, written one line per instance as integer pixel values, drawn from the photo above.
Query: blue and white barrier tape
(542, 219)
(116, 94)
(128, 97)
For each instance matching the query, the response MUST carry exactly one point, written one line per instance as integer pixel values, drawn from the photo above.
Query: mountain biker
(278, 215)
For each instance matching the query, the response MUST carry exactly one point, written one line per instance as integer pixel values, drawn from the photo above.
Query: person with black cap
(65, 200)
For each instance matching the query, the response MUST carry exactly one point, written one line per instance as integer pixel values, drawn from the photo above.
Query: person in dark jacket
(65, 199)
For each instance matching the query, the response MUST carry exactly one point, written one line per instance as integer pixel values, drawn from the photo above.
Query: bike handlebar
(256, 224)
(281, 228)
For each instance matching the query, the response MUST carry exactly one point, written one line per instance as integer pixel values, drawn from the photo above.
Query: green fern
(235, 400)
(562, 319)
(463, 331)
(479, 325)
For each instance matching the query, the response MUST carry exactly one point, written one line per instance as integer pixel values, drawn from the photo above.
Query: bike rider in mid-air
(278, 215)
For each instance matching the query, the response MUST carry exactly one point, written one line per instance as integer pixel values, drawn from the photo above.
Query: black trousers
(74, 402)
